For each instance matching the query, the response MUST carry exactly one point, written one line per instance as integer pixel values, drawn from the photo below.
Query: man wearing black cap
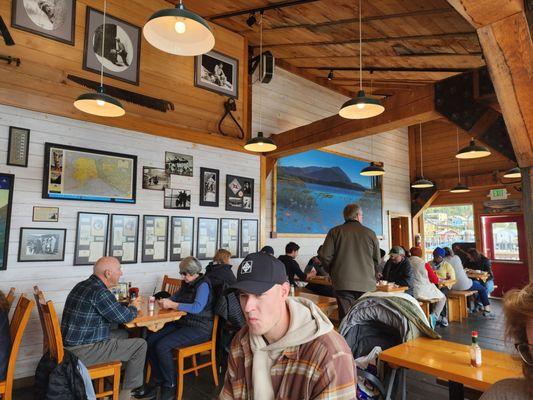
(288, 348)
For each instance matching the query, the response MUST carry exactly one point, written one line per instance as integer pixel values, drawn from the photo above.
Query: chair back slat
(10, 296)
(170, 285)
(39, 299)
(215, 328)
(51, 329)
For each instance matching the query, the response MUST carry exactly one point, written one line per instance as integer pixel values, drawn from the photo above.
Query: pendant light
(473, 150)
(100, 103)
(373, 169)
(513, 173)
(260, 144)
(459, 188)
(179, 31)
(361, 106)
(421, 183)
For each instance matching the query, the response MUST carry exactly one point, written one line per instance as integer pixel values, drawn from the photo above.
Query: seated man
(398, 269)
(288, 349)
(444, 271)
(291, 265)
(89, 311)
(315, 265)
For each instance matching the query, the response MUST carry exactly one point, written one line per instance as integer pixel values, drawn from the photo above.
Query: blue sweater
(5, 344)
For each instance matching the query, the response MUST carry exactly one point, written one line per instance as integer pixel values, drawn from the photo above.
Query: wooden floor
(419, 386)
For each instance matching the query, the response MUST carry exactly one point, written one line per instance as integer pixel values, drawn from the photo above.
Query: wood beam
(527, 208)
(246, 11)
(401, 110)
(478, 181)
(388, 69)
(483, 13)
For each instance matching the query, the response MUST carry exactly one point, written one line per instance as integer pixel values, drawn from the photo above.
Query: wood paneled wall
(40, 82)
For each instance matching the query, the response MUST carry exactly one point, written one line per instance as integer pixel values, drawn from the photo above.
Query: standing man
(291, 265)
(288, 348)
(351, 255)
(89, 311)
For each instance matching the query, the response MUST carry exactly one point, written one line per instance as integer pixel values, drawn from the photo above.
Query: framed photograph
(45, 214)
(249, 236)
(179, 199)
(209, 187)
(7, 183)
(181, 238)
(239, 194)
(42, 244)
(18, 146)
(229, 236)
(218, 73)
(75, 173)
(91, 237)
(207, 238)
(124, 237)
(154, 178)
(178, 164)
(122, 47)
(52, 19)
(155, 238)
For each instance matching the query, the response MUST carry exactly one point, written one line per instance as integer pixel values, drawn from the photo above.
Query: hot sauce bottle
(475, 351)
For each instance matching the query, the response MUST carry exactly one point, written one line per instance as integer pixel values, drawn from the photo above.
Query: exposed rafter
(392, 69)
(275, 6)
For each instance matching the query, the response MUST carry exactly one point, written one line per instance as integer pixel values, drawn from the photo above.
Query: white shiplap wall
(290, 101)
(57, 278)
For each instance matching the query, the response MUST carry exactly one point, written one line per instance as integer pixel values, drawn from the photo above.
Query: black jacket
(186, 294)
(59, 382)
(219, 274)
(5, 344)
(401, 274)
(292, 268)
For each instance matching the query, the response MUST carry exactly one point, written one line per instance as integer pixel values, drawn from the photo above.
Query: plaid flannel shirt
(89, 311)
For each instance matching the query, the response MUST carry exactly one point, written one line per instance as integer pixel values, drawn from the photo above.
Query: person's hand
(379, 275)
(166, 303)
(136, 302)
(311, 273)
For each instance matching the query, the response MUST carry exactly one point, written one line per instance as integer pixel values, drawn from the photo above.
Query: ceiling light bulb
(101, 103)
(360, 105)
(180, 27)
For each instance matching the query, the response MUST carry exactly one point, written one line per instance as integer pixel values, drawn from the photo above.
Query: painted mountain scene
(313, 187)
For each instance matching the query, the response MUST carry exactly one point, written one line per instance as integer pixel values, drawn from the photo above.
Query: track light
(251, 20)
(330, 75)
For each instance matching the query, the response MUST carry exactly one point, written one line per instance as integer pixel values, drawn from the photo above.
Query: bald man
(89, 311)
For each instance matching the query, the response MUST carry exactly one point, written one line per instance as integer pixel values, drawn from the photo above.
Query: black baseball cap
(268, 250)
(258, 273)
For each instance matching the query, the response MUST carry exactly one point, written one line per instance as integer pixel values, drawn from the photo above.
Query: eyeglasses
(184, 273)
(526, 352)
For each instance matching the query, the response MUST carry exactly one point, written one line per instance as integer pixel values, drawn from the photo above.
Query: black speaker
(266, 72)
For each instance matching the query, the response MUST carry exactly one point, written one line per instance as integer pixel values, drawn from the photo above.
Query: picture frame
(155, 238)
(229, 236)
(122, 47)
(249, 237)
(178, 199)
(181, 237)
(178, 164)
(91, 237)
(45, 214)
(155, 178)
(41, 244)
(18, 146)
(209, 187)
(217, 73)
(55, 21)
(7, 186)
(239, 194)
(206, 238)
(124, 238)
(76, 173)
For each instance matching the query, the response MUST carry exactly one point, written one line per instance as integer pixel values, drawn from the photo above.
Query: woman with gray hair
(195, 298)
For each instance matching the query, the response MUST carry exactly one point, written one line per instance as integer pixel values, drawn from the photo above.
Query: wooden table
(451, 361)
(320, 280)
(391, 288)
(481, 276)
(153, 320)
(447, 282)
(325, 303)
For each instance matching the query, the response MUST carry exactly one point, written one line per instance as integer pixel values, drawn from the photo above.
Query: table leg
(456, 390)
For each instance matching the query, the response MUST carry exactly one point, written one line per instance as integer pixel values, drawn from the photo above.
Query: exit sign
(498, 194)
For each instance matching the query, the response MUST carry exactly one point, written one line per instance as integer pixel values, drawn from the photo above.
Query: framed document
(181, 238)
(207, 241)
(124, 237)
(229, 236)
(42, 244)
(91, 237)
(155, 238)
(45, 214)
(18, 146)
(249, 229)
(239, 194)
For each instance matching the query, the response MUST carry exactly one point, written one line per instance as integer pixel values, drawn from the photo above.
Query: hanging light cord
(260, 69)
(103, 41)
(458, 159)
(360, 51)
(421, 152)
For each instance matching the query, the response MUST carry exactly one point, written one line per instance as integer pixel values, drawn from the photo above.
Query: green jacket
(351, 255)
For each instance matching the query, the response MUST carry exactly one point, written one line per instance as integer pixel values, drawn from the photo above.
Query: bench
(426, 305)
(458, 305)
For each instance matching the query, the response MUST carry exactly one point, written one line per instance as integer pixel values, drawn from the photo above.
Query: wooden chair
(18, 324)
(192, 351)
(53, 341)
(462, 295)
(426, 304)
(10, 296)
(170, 285)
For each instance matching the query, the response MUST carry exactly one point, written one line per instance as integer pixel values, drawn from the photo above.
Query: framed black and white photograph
(209, 187)
(41, 244)
(124, 237)
(179, 199)
(178, 164)
(91, 237)
(249, 236)
(154, 178)
(207, 238)
(239, 194)
(181, 238)
(218, 73)
(155, 238)
(45, 214)
(18, 146)
(122, 47)
(229, 236)
(54, 19)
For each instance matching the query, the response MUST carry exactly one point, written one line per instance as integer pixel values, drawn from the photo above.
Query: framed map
(7, 182)
(155, 238)
(207, 238)
(75, 173)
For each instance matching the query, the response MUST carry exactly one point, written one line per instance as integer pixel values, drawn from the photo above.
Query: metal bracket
(10, 59)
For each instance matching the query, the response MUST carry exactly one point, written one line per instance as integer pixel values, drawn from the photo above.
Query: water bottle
(151, 303)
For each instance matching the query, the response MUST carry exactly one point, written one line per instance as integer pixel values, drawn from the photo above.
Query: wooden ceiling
(405, 42)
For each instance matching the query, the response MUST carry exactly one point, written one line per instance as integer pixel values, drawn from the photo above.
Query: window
(446, 225)
(505, 240)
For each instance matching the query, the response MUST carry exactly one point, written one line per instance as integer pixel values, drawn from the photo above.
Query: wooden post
(527, 207)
